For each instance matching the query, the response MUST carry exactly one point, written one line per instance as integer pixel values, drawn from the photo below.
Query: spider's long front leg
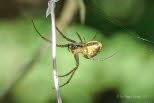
(66, 45)
(76, 56)
(68, 39)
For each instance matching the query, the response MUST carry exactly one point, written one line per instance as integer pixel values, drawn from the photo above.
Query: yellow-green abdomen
(91, 49)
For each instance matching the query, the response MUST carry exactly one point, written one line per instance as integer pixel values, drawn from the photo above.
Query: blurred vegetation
(126, 77)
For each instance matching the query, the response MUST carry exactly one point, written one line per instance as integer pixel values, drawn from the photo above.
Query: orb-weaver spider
(88, 49)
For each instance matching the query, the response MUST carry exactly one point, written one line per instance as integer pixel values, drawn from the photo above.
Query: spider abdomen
(91, 49)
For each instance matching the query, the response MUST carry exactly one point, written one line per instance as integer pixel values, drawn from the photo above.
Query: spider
(88, 49)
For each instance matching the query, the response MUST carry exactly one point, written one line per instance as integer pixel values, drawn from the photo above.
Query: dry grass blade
(51, 5)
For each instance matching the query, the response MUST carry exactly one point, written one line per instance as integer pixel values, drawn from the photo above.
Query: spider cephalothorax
(75, 48)
(88, 49)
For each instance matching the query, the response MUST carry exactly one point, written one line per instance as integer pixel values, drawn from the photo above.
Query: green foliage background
(129, 72)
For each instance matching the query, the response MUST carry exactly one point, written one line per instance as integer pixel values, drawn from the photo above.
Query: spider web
(115, 20)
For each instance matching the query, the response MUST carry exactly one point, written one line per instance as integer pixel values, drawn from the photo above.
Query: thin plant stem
(51, 5)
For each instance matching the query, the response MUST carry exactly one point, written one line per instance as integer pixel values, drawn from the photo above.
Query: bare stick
(51, 5)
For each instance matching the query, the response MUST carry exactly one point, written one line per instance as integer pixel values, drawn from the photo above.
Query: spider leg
(101, 59)
(79, 37)
(94, 37)
(68, 80)
(76, 56)
(68, 39)
(77, 64)
(66, 45)
(67, 73)
(84, 39)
